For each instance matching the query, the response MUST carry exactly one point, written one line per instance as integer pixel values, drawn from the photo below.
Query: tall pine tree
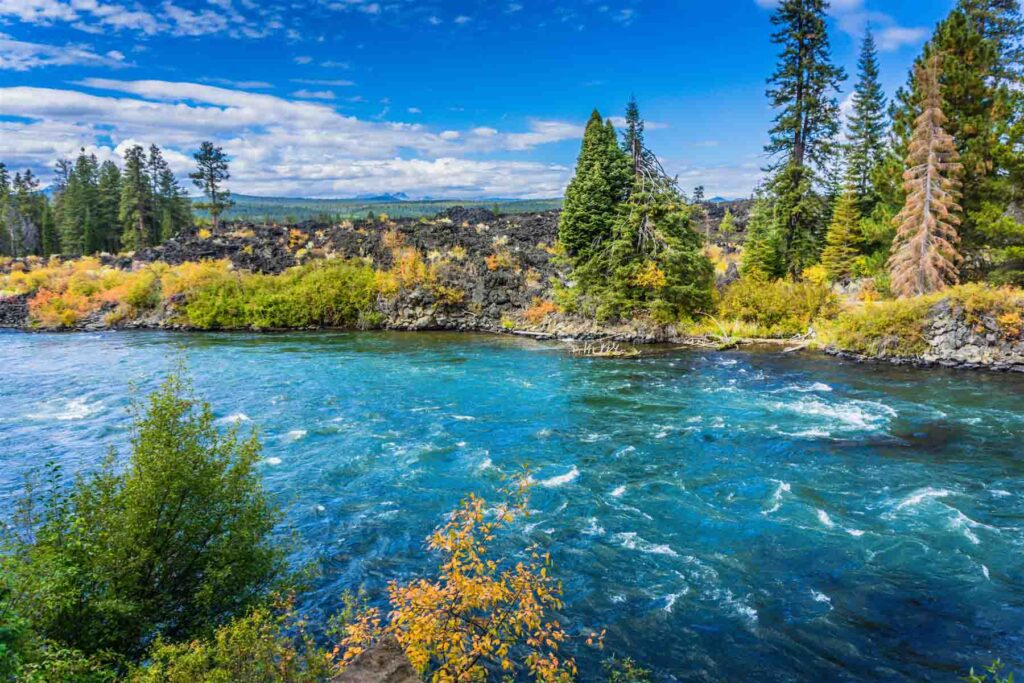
(211, 171)
(135, 209)
(865, 151)
(602, 180)
(172, 210)
(803, 138)
(924, 257)
(109, 202)
(6, 209)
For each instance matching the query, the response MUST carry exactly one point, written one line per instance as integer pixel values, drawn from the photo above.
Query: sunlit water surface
(733, 516)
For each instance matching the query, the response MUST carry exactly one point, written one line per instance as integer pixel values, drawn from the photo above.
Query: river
(726, 516)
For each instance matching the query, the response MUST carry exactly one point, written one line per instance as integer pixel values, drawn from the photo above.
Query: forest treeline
(94, 207)
(919, 193)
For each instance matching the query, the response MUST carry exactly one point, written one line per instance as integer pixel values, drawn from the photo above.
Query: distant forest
(288, 209)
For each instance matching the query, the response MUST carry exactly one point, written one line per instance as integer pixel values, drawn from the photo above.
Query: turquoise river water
(726, 516)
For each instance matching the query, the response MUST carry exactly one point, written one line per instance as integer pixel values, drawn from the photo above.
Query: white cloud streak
(17, 55)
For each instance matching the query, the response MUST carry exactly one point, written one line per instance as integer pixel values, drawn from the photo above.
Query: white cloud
(242, 85)
(277, 145)
(414, 110)
(313, 94)
(17, 55)
(331, 83)
(462, 19)
(543, 132)
(725, 181)
(96, 17)
(894, 37)
(189, 23)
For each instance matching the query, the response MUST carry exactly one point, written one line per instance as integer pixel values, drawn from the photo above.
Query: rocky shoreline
(952, 339)
(504, 269)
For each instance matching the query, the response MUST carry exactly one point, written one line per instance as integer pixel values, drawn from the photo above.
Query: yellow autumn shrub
(480, 613)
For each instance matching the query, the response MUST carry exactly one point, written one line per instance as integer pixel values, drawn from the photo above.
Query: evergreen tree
(924, 254)
(633, 136)
(25, 220)
(840, 253)
(61, 177)
(727, 228)
(50, 235)
(172, 210)
(109, 202)
(6, 209)
(1000, 22)
(79, 198)
(762, 248)
(211, 171)
(601, 182)
(175, 207)
(803, 137)
(866, 146)
(135, 208)
(701, 212)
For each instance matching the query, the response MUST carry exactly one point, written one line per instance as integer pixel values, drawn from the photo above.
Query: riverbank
(474, 271)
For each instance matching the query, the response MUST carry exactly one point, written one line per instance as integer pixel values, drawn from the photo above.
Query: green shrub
(329, 293)
(625, 671)
(173, 545)
(776, 308)
(255, 647)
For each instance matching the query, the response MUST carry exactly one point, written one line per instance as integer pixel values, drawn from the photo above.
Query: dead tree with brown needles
(924, 252)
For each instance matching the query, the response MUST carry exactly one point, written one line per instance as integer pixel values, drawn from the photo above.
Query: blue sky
(334, 98)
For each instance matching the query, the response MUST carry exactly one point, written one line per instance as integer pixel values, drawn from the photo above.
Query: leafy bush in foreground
(255, 647)
(480, 613)
(172, 546)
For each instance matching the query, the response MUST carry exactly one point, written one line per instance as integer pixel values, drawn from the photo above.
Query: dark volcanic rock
(14, 311)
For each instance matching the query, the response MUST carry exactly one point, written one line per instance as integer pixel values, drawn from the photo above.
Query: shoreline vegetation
(396, 285)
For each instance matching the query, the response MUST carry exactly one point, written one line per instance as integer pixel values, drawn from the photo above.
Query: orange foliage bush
(540, 309)
(475, 615)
